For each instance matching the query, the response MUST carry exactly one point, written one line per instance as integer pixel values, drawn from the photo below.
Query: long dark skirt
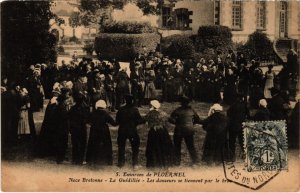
(159, 152)
(214, 146)
(46, 139)
(99, 151)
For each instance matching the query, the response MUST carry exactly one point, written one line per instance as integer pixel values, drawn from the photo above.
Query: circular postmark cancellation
(265, 148)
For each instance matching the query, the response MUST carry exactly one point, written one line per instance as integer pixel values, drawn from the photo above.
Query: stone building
(278, 19)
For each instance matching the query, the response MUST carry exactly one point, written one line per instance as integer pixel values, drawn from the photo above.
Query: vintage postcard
(150, 96)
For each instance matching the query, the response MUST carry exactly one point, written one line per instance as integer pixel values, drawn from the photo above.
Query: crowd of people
(86, 92)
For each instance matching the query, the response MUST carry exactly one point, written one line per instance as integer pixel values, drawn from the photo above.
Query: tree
(216, 38)
(99, 11)
(258, 46)
(74, 21)
(26, 39)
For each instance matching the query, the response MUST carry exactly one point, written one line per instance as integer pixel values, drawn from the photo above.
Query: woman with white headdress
(25, 124)
(99, 151)
(263, 113)
(215, 139)
(159, 151)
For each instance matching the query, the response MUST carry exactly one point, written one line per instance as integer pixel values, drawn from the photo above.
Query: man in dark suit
(184, 117)
(237, 114)
(128, 117)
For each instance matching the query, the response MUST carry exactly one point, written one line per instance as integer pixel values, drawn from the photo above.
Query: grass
(22, 151)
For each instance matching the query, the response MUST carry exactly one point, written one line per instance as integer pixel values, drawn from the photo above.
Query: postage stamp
(265, 145)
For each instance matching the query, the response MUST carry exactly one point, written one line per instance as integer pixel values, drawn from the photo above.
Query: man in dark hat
(277, 106)
(81, 87)
(122, 86)
(237, 114)
(78, 117)
(128, 117)
(184, 118)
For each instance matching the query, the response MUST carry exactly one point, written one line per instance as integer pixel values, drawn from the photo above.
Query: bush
(178, 46)
(88, 48)
(125, 46)
(216, 37)
(60, 49)
(128, 27)
(74, 39)
(258, 47)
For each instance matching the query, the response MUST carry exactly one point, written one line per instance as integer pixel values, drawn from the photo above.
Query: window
(283, 19)
(237, 15)
(261, 15)
(182, 18)
(217, 12)
(166, 17)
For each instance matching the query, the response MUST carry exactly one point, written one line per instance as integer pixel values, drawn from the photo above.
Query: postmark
(265, 145)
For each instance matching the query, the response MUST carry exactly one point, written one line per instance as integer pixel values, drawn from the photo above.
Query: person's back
(78, 116)
(237, 113)
(184, 118)
(128, 117)
(262, 114)
(215, 124)
(276, 107)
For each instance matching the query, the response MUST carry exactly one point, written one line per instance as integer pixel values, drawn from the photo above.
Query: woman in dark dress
(61, 129)
(159, 152)
(45, 144)
(215, 139)
(99, 151)
(230, 93)
(263, 113)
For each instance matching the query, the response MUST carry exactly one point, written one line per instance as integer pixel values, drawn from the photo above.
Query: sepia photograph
(150, 95)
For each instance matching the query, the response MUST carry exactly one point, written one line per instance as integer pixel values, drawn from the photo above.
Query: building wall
(293, 25)
(203, 14)
(249, 19)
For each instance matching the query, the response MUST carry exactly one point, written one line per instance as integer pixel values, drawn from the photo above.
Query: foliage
(25, 35)
(178, 46)
(216, 37)
(88, 48)
(258, 47)
(74, 19)
(74, 39)
(59, 20)
(125, 46)
(99, 11)
(128, 27)
(150, 6)
(60, 49)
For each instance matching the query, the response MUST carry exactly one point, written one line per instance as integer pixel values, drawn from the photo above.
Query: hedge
(178, 46)
(258, 47)
(216, 37)
(125, 46)
(127, 27)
